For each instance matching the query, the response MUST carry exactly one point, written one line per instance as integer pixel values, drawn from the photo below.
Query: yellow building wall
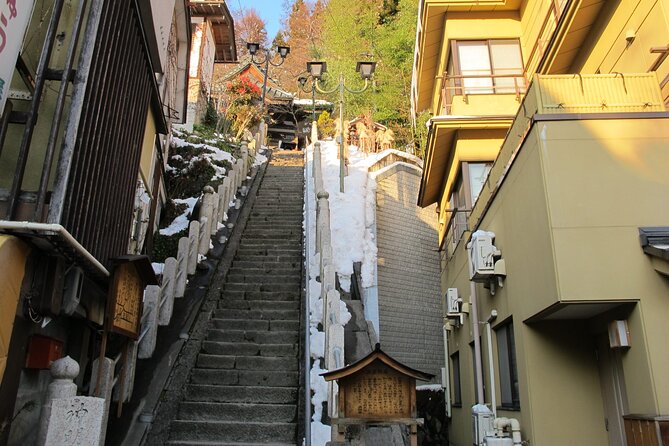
(13, 255)
(470, 145)
(148, 157)
(532, 17)
(596, 206)
(472, 26)
(609, 51)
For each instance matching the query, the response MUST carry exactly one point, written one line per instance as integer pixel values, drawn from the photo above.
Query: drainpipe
(493, 396)
(446, 379)
(478, 366)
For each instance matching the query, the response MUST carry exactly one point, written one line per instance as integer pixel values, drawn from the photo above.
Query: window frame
(507, 359)
(454, 62)
(457, 383)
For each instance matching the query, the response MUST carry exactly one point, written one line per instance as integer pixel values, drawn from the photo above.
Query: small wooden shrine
(377, 390)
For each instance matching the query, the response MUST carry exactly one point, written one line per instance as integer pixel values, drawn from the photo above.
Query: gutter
(21, 227)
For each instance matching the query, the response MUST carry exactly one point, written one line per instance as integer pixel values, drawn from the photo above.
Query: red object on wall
(42, 351)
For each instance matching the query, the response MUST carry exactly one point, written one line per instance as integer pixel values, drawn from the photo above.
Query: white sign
(14, 18)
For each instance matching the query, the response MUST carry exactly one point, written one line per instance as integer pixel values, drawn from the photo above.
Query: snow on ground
(180, 222)
(352, 219)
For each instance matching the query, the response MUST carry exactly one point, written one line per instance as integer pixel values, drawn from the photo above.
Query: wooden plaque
(377, 392)
(125, 301)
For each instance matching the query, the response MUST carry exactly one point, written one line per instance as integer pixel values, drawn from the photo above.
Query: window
(476, 381)
(487, 66)
(457, 392)
(508, 370)
(464, 194)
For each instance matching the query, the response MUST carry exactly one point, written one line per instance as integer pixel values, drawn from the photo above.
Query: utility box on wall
(482, 255)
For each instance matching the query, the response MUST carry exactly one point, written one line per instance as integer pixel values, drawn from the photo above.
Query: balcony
(482, 95)
(71, 150)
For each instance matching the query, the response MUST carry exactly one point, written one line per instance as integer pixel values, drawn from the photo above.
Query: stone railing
(332, 326)
(114, 379)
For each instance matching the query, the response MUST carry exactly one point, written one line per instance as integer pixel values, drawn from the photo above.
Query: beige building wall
(13, 256)
(409, 296)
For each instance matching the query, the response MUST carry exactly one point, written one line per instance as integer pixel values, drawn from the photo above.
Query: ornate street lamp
(317, 69)
(254, 48)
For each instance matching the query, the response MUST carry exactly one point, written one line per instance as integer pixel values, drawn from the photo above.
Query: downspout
(446, 379)
(491, 367)
(480, 397)
(478, 367)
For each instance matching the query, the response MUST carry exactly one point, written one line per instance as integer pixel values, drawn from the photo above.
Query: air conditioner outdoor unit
(482, 255)
(482, 424)
(452, 301)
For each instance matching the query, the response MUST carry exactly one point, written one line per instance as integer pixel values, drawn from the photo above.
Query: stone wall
(410, 313)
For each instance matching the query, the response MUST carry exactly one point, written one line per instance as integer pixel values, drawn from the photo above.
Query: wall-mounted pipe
(446, 384)
(491, 365)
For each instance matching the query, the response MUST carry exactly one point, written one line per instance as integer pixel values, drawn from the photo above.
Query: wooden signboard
(124, 311)
(378, 391)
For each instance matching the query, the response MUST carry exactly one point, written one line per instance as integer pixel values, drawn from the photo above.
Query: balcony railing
(484, 84)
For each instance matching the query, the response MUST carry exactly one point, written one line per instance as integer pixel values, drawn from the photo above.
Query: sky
(269, 10)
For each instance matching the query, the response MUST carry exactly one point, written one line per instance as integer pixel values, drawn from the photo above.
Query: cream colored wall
(472, 26)
(595, 216)
(609, 51)
(148, 157)
(533, 15)
(471, 145)
(13, 255)
(486, 105)
(519, 218)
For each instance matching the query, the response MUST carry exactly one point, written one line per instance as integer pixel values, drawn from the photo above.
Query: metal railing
(465, 85)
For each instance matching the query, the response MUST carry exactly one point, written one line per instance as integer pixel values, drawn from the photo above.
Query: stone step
(270, 378)
(270, 287)
(240, 394)
(252, 336)
(268, 313)
(263, 252)
(208, 361)
(282, 413)
(247, 259)
(266, 265)
(225, 443)
(249, 349)
(281, 296)
(279, 243)
(254, 325)
(258, 305)
(293, 278)
(274, 233)
(232, 431)
(276, 268)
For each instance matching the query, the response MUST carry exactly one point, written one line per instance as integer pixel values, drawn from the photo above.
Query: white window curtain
(474, 60)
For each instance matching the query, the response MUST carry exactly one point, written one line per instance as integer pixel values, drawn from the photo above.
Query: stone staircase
(244, 387)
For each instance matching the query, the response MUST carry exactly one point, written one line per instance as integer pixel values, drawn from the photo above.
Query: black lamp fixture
(366, 69)
(283, 51)
(317, 69)
(253, 48)
(302, 80)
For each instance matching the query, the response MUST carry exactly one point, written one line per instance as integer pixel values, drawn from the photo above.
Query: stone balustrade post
(245, 158)
(239, 167)
(127, 378)
(206, 219)
(262, 130)
(182, 267)
(215, 219)
(63, 371)
(321, 225)
(167, 288)
(314, 131)
(222, 205)
(105, 388)
(147, 344)
(193, 245)
(232, 192)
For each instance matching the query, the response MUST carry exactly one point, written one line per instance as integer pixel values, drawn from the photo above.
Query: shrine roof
(376, 355)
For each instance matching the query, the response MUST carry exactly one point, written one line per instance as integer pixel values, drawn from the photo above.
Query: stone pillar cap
(65, 368)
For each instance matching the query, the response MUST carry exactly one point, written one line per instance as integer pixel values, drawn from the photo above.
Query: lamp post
(302, 80)
(282, 51)
(317, 70)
